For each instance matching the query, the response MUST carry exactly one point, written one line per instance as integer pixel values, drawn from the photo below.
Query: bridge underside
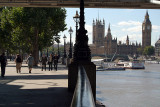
(139, 4)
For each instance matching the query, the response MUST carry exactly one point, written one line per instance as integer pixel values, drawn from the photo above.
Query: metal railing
(83, 96)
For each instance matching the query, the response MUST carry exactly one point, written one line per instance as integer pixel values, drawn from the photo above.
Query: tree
(148, 50)
(33, 28)
(140, 51)
(5, 34)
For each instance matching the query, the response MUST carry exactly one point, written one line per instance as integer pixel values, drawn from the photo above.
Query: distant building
(68, 46)
(146, 31)
(98, 33)
(107, 45)
(157, 48)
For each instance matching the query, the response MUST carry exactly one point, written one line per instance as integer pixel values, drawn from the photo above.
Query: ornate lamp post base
(90, 68)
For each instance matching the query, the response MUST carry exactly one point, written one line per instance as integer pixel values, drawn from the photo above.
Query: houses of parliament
(107, 45)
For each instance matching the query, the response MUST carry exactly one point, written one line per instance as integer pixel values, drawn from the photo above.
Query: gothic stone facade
(157, 48)
(107, 45)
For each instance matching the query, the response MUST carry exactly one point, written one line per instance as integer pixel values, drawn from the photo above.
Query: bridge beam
(138, 4)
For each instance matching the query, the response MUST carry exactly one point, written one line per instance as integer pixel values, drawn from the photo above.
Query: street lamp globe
(76, 17)
(64, 37)
(70, 30)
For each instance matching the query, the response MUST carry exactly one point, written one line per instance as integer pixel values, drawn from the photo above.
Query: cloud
(133, 29)
(156, 28)
(130, 23)
(88, 28)
(89, 33)
(132, 38)
(130, 26)
(124, 29)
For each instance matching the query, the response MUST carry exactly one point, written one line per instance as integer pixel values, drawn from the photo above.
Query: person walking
(44, 61)
(30, 60)
(18, 62)
(50, 61)
(55, 61)
(3, 61)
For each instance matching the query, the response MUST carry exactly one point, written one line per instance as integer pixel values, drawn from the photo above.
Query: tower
(109, 36)
(146, 31)
(127, 40)
(98, 32)
(110, 43)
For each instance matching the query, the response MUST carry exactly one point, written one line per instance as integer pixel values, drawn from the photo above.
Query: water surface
(130, 88)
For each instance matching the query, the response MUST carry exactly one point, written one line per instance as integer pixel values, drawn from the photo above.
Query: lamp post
(58, 41)
(64, 37)
(82, 56)
(70, 48)
(47, 52)
(76, 19)
(58, 49)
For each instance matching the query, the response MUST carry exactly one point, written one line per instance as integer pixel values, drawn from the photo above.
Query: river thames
(130, 88)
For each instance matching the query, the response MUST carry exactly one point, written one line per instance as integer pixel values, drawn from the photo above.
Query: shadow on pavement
(33, 77)
(14, 96)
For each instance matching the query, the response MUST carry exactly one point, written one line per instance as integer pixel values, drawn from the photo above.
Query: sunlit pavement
(40, 88)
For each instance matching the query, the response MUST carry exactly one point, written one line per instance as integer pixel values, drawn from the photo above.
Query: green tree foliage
(140, 51)
(5, 34)
(148, 50)
(32, 29)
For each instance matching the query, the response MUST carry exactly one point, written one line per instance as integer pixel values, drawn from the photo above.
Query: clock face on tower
(148, 27)
(143, 27)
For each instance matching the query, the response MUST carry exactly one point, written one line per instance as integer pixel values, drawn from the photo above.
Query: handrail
(83, 96)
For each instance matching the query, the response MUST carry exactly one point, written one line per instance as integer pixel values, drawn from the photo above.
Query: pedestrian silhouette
(30, 60)
(55, 61)
(18, 62)
(44, 61)
(3, 61)
(50, 61)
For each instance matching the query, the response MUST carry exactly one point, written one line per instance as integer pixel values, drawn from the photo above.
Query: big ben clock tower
(146, 31)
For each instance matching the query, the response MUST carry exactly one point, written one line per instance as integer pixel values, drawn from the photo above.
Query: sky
(123, 22)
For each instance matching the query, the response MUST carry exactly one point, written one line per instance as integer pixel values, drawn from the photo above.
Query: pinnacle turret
(127, 37)
(93, 22)
(147, 15)
(103, 21)
(147, 20)
(127, 40)
(109, 27)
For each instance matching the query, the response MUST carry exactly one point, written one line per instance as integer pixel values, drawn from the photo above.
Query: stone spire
(109, 36)
(127, 40)
(103, 21)
(147, 15)
(127, 37)
(93, 22)
(136, 43)
(109, 30)
(147, 20)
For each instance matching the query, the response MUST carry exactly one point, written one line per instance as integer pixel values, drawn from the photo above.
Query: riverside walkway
(38, 89)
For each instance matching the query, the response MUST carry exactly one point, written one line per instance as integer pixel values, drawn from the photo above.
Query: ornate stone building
(146, 31)
(98, 33)
(107, 45)
(157, 48)
(110, 44)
